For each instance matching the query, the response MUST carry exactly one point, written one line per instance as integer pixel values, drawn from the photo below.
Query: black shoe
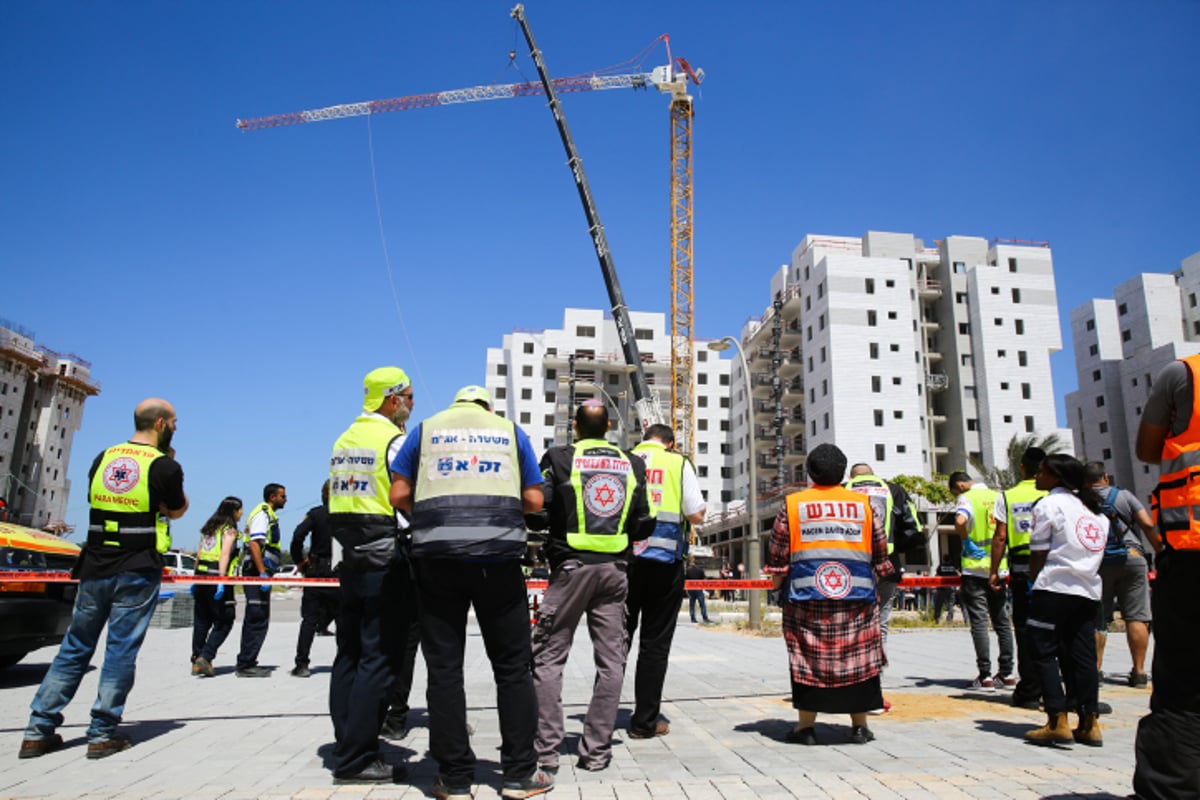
(35, 748)
(301, 671)
(113, 744)
(325, 632)
(1137, 679)
(1020, 701)
(806, 736)
(592, 766)
(861, 734)
(254, 672)
(393, 730)
(375, 772)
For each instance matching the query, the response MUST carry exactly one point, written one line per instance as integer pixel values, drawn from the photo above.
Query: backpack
(1115, 549)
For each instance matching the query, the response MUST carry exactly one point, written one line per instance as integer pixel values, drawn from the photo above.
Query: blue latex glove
(220, 591)
(972, 550)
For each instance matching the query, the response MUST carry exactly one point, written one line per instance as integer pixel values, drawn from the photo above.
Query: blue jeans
(697, 596)
(125, 602)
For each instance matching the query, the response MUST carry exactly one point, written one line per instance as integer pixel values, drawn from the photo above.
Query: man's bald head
(150, 411)
(591, 420)
(861, 469)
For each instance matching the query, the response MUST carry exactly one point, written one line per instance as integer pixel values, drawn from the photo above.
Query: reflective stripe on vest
(831, 551)
(983, 503)
(603, 481)
(1176, 500)
(467, 497)
(874, 486)
(1019, 502)
(121, 515)
(359, 510)
(208, 554)
(664, 488)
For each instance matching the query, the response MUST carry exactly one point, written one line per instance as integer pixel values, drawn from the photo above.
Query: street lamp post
(622, 429)
(752, 542)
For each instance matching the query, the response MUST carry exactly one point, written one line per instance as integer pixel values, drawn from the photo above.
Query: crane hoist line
(673, 79)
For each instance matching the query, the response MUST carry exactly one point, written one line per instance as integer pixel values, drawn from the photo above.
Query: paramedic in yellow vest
(828, 547)
(656, 572)
(136, 487)
(215, 605)
(468, 476)
(1168, 739)
(377, 600)
(1014, 522)
(262, 554)
(975, 526)
(596, 505)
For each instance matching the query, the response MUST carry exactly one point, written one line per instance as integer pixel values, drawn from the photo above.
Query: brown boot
(1056, 730)
(1088, 731)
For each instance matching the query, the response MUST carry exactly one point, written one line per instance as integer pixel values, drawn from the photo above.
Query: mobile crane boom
(646, 405)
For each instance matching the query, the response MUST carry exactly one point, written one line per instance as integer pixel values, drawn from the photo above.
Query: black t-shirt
(320, 550)
(166, 487)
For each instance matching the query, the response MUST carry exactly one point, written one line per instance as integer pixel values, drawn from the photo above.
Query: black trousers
(212, 619)
(1168, 739)
(318, 605)
(1062, 633)
(655, 593)
(448, 588)
(255, 623)
(1029, 685)
(398, 707)
(377, 607)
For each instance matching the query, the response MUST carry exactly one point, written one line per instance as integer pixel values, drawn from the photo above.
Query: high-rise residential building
(910, 358)
(531, 377)
(41, 407)
(1120, 346)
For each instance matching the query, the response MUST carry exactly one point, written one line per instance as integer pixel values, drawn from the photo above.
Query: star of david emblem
(603, 495)
(834, 581)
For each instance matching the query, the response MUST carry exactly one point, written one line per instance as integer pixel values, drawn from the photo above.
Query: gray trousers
(982, 604)
(599, 591)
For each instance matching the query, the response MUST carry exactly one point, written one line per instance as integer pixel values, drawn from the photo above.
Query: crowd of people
(432, 523)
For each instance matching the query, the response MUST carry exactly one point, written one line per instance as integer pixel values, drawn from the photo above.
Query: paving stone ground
(235, 738)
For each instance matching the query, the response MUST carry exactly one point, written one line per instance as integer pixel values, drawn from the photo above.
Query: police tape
(23, 576)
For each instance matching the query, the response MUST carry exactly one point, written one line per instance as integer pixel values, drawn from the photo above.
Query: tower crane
(672, 79)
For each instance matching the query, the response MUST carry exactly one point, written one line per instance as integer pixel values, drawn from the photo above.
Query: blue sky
(243, 276)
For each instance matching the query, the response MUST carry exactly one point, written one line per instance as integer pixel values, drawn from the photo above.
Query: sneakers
(661, 728)
(1138, 680)
(983, 682)
(539, 782)
(861, 734)
(203, 667)
(444, 791)
(1055, 731)
(107, 747)
(36, 748)
(254, 672)
(1007, 681)
(301, 671)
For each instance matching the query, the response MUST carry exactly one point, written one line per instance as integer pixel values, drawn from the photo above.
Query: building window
(1022, 359)
(960, 267)
(825, 420)
(701, 424)
(525, 417)
(1001, 354)
(1007, 418)
(702, 401)
(1126, 335)
(822, 354)
(527, 371)
(965, 359)
(1026, 391)
(702, 378)
(1090, 325)
(1122, 309)
(972, 424)
(995, 290)
(960, 297)
(1095, 375)
(1019, 326)
(702, 355)
(897, 414)
(1004, 386)
(871, 318)
(808, 333)
(880, 452)
(1100, 401)
(820, 290)
(500, 392)
(1016, 295)
(585, 331)
(551, 374)
(821, 322)
(824, 387)
(1094, 350)
(1196, 327)
(1104, 427)
(702, 448)
(724, 379)
(614, 380)
(643, 334)
(1012, 265)
(873, 349)
(876, 384)
(896, 380)
(892, 315)
(964, 328)
(724, 402)
(998, 321)
(527, 347)
(870, 285)
(548, 420)
(502, 369)
(878, 418)
(724, 425)
(895, 348)
(550, 398)
(527, 394)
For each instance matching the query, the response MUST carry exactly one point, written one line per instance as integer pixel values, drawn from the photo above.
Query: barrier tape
(21, 576)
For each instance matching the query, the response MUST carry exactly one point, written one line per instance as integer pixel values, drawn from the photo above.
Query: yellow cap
(381, 384)
(474, 394)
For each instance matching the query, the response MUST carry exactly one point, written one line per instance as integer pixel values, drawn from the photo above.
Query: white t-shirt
(1073, 539)
(693, 500)
(260, 525)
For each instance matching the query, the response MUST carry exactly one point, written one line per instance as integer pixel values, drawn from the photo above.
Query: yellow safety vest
(121, 515)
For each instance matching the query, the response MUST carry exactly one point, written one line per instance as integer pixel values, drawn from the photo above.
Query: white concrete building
(909, 358)
(1120, 345)
(529, 377)
(41, 407)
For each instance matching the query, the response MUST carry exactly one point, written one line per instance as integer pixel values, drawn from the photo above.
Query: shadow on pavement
(1095, 796)
(148, 729)
(1007, 729)
(773, 729)
(27, 675)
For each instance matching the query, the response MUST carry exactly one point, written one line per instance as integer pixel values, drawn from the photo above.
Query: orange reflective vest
(1176, 500)
(830, 531)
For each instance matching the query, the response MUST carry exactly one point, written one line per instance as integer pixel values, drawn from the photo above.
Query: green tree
(1005, 477)
(934, 490)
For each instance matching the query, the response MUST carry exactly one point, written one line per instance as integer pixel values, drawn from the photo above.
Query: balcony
(928, 290)
(937, 381)
(762, 384)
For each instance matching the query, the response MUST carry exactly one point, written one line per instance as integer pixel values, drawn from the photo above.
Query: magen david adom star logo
(121, 475)
(833, 580)
(604, 495)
